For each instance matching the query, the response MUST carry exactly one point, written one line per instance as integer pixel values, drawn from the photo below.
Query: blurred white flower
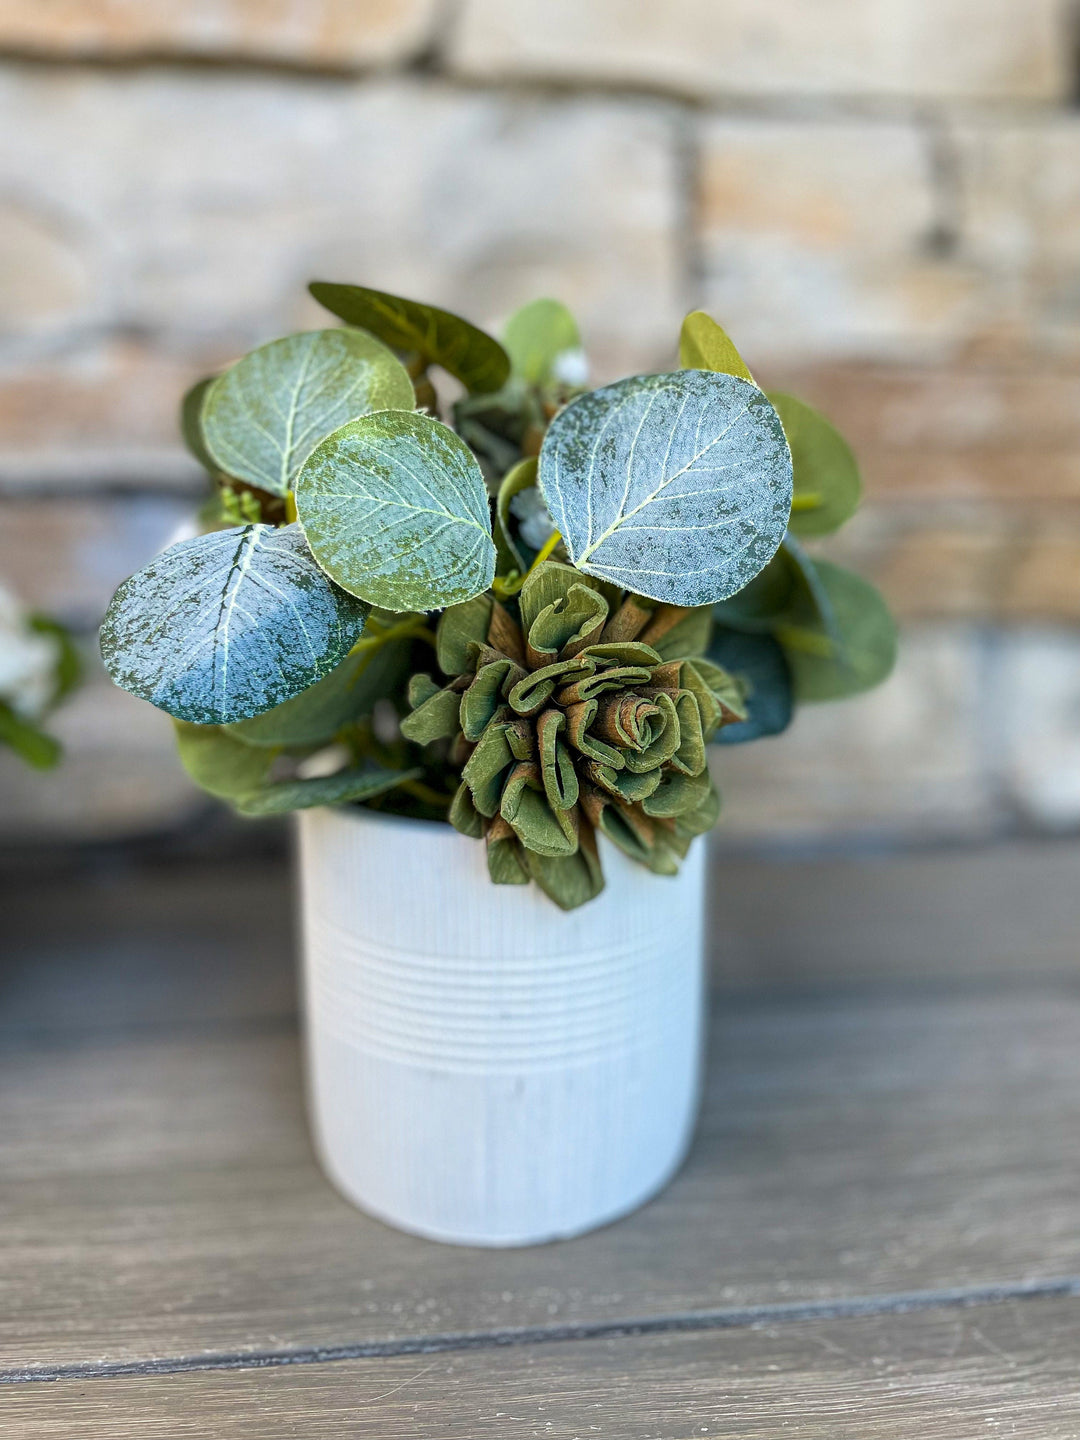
(534, 521)
(571, 367)
(27, 661)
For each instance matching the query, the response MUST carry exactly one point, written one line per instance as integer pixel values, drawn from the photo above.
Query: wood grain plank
(126, 945)
(158, 1196)
(1006, 1369)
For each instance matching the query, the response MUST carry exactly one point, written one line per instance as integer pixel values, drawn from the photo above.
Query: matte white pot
(484, 1068)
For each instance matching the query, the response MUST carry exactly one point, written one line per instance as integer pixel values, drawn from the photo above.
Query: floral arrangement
(529, 612)
(39, 665)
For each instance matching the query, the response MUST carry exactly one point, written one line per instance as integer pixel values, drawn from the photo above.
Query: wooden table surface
(877, 1233)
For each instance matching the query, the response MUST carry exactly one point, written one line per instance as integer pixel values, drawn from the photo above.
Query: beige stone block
(816, 241)
(1002, 49)
(316, 32)
(937, 562)
(199, 204)
(961, 433)
(67, 555)
(1019, 184)
(1036, 683)
(903, 761)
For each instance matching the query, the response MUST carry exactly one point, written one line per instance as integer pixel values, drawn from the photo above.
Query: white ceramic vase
(484, 1068)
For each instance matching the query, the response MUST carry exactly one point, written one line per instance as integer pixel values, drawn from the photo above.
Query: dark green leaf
(228, 625)
(758, 663)
(675, 486)
(436, 336)
(29, 743)
(396, 511)
(263, 417)
(191, 431)
(69, 665)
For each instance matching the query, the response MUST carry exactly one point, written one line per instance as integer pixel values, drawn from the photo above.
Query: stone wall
(879, 198)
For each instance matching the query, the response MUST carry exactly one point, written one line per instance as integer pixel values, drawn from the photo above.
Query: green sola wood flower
(581, 708)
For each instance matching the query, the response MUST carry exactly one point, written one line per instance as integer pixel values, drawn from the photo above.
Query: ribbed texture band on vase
(483, 1067)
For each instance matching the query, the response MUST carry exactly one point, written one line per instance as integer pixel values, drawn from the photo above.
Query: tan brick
(316, 32)
(1020, 225)
(1011, 435)
(199, 205)
(815, 240)
(904, 760)
(943, 48)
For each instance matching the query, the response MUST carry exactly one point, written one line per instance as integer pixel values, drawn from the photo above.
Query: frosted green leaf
(227, 625)
(263, 417)
(436, 336)
(395, 510)
(543, 341)
(218, 762)
(705, 345)
(363, 783)
(347, 693)
(677, 487)
(827, 484)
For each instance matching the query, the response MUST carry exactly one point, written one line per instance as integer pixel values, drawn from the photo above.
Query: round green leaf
(436, 336)
(848, 646)
(758, 663)
(675, 486)
(262, 418)
(395, 510)
(827, 484)
(217, 762)
(541, 339)
(705, 345)
(227, 625)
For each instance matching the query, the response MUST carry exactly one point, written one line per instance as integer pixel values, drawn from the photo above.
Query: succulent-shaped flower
(579, 708)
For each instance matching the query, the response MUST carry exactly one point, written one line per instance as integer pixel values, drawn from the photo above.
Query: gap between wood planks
(732, 1318)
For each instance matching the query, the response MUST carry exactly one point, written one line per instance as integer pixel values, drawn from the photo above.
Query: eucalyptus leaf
(395, 510)
(759, 664)
(518, 478)
(361, 783)
(191, 431)
(542, 340)
(827, 484)
(854, 652)
(218, 762)
(705, 345)
(677, 486)
(376, 669)
(227, 625)
(262, 418)
(436, 336)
